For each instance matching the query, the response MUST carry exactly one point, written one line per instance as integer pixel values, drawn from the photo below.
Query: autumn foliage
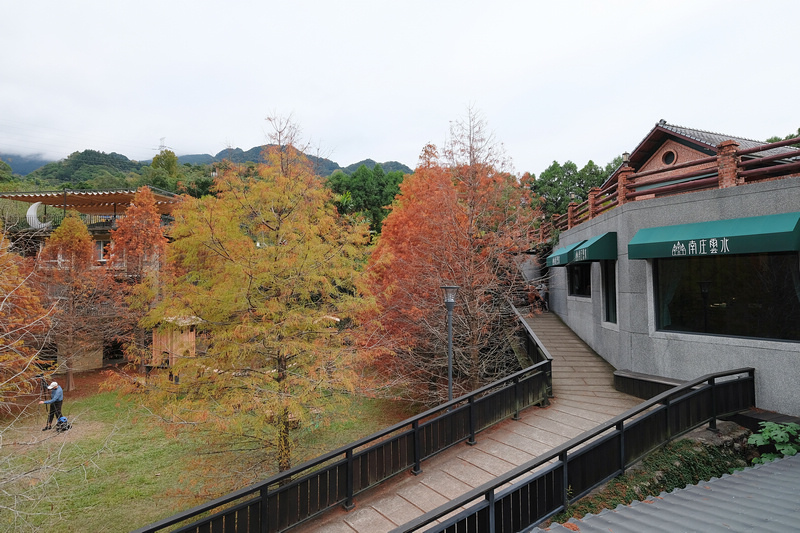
(138, 243)
(460, 219)
(268, 269)
(137, 252)
(81, 293)
(24, 321)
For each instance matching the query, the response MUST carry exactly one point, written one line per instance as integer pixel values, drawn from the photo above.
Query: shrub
(782, 438)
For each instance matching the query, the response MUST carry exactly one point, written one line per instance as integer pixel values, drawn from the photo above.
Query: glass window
(609, 291)
(101, 250)
(580, 279)
(753, 295)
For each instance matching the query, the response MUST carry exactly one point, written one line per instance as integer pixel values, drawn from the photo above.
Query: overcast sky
(555, 80)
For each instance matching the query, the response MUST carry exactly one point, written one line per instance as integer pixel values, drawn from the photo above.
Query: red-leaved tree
(137, 251)
(24, 322)
(460, 219)
(80, 291)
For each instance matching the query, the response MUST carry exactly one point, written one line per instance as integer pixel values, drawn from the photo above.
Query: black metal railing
(533, 492)
(306, 491)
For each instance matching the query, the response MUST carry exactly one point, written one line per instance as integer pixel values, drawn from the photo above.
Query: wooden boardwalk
(584, 397)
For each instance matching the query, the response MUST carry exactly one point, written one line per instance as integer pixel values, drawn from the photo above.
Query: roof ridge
(664, 123)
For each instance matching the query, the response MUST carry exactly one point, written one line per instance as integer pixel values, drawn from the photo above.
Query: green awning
(562, 256)
(600, 248)
(751, 235)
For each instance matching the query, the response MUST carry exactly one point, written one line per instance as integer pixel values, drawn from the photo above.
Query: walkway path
(584, 397)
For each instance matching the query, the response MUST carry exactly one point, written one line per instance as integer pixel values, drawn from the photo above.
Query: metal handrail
(453, 410)
(488, 491)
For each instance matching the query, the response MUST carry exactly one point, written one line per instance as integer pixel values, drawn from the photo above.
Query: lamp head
(449, 293)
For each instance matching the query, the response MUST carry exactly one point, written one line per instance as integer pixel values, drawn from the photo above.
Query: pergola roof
(107, 202)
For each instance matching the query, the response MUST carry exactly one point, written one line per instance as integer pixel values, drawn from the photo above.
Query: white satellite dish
(33, 219)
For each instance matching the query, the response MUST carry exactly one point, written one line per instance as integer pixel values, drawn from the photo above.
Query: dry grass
(117, 469)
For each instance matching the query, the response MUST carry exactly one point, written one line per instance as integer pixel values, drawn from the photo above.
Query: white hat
(53, 385)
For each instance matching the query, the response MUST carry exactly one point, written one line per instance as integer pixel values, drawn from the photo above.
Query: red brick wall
(683, 154)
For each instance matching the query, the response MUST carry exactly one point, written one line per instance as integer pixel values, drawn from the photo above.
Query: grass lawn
(117, 469)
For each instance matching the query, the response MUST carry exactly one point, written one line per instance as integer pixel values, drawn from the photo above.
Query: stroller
(62, 424)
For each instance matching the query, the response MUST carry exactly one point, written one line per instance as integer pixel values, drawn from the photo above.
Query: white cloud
(572, 80)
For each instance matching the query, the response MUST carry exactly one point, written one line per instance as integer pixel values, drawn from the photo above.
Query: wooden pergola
(88, 202)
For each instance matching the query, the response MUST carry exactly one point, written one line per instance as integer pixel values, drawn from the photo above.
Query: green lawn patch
(118, 469)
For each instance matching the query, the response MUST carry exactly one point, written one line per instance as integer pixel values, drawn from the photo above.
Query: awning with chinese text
(751, 235)
(600, 248)
(562, 256)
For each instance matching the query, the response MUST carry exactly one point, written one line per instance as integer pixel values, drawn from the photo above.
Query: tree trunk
(284, 445)
(282, 421)
(475, 364)
(70, 384)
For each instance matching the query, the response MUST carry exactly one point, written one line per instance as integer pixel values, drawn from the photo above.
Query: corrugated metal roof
(760, 498)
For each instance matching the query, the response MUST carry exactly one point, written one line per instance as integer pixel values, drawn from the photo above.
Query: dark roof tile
(712, 139)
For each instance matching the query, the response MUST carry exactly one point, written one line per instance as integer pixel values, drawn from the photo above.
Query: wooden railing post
(517, 400)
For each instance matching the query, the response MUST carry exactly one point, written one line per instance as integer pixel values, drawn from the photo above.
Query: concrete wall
(633, 343)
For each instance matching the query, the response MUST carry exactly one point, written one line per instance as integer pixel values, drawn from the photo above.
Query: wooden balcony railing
(700, 174)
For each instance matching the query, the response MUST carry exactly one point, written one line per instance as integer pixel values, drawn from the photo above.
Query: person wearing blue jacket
(55, 401)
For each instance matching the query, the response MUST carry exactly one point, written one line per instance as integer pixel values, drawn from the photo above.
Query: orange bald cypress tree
(138, 248)
(80, 290)
(460, 219)
(269, 269)
(23, 323)
(138, 243)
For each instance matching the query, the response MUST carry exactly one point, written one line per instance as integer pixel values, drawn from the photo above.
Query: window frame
(579, 280)
(608, 270)
(754, 296)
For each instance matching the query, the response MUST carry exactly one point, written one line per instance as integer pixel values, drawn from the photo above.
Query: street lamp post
(450, 301)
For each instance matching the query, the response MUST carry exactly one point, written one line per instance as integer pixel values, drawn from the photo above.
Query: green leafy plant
(677, 464)
(783, 438)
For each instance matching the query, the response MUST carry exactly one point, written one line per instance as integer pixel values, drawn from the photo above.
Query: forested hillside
(194, 175)
(72, 169)
(86, 165)
(23, 164)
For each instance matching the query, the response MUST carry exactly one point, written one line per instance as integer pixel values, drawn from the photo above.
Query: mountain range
(24, 165)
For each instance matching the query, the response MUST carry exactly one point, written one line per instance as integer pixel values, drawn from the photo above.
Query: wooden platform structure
(584, 397)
